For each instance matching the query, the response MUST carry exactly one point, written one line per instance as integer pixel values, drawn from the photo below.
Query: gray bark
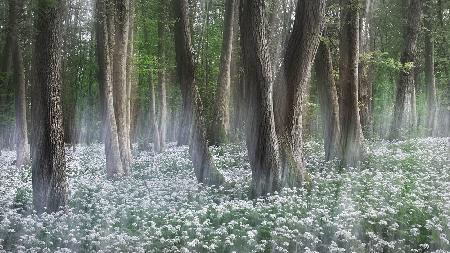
(406, 79)
(120, 87)
(430, 80)
(114, 167)
(292, 86)
(162, 92)
(48, 156)
(351, 132)
(221, 123)
(198, 146)
(18, 80)
(262, 143)
(329, 104)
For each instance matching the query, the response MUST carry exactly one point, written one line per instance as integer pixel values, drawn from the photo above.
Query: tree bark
(48, 167)
(351, 132)
(406, 78)
(153, 118)
(114, 165)
(432, 108)
(262, 142)
(293, 82)
(198, 146)
(221, 123)
(18, 79)
(329, 104)
(120, 86)
(365, 75)
(162, 114)
(185, 70)
(129, 69)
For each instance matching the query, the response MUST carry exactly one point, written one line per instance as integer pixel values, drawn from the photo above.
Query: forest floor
(397, 201)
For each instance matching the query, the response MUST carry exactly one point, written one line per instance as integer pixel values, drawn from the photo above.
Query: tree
(365, 91)
(120, 84)
(22, 147)
(406, 79)
(262, 142)
(162, 90)
(430, 79)
(153, 118)
(104, 22)
(48, 156)
(292, 91)
(351, 132)
(328, 98)
(221, 121)
(198, 145)
(274, 136)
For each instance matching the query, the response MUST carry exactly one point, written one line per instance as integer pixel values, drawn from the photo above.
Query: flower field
(398, 200)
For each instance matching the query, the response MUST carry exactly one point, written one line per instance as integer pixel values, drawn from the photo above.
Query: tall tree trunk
(329, 104)
(262, 142)
(406, 78)
(120, 88)
(198, 146)
(6, 61)
(129, 69)
(48, 168)
(114, 167)
(365, 76)
(351, 132)
(18, 79)
(152, 117)
(293, 83)
(162, 115)
(430, 80)
(6, 72)
(221, 123)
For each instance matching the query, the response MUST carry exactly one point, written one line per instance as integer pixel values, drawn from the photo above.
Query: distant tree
(48, 156)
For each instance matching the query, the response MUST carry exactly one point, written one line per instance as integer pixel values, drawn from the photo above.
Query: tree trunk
(432, 113)
(162, 115)
(104, 46)
(221, 123)
(351, 132)
(293, 83)
(198, 146)
(365, 76)
(6, 72)
(48, 168)
(153, 118)
(406, 78)
(18, 79)
(6, 61)
(329, 104)
(120, 86)
(129, 69)
(262, 143)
